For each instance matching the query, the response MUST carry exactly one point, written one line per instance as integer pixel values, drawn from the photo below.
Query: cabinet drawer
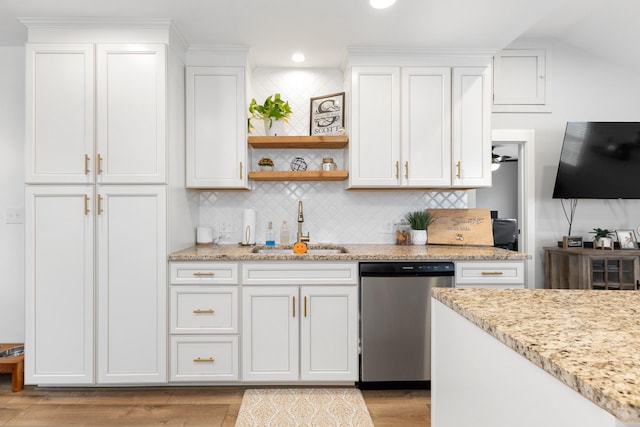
(204, 273)
(489, 274)
(300, 273)
(202, 309)
(202, 358)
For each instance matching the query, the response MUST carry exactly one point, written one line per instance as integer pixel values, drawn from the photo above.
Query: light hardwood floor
(173, 406)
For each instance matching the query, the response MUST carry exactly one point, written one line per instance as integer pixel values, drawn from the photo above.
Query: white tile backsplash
(331, 213)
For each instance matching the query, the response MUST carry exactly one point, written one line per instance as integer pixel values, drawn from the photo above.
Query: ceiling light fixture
(298, 57)
(381, 4)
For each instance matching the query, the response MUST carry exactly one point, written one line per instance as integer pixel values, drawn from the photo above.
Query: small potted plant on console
(602, 238)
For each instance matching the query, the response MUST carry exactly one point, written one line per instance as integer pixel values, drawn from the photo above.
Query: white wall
(11, 193)
(585, 88)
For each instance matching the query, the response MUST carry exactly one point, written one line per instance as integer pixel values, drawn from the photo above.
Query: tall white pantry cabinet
(96, 211)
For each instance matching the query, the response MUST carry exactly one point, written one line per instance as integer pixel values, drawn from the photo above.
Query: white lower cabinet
(489, 274)
(79, 323)
(203, 322)
(300, 332)
(204, 358)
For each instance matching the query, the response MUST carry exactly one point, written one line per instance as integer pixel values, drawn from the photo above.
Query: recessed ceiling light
(381, 4)
(297, 57)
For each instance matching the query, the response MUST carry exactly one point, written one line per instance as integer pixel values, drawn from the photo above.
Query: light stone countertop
(588, 339)
(355, 252)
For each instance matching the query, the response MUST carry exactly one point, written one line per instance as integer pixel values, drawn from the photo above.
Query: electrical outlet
(226, 227)
(387, 227)
(15, 216)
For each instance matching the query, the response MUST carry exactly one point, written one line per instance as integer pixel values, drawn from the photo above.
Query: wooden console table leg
(17, 376)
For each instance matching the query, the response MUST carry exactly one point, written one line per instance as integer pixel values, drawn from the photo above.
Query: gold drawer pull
(199, 311)
(86, 164)
(492, 273)
(206, 273)
(201, 360)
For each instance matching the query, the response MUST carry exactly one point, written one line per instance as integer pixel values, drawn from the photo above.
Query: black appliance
(505, 233)
(599, 160)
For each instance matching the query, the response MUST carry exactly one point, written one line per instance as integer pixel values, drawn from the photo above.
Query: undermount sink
(310, 251)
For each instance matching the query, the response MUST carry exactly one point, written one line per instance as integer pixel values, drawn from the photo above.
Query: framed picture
(627, 239)
(327, 115)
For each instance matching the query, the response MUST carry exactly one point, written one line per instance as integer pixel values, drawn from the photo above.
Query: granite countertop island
(354, 252)
(586, 339)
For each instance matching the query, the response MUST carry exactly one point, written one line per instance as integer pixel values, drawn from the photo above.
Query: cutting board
(461, 227)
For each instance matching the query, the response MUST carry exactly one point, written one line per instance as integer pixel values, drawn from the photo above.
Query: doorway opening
(514, 194)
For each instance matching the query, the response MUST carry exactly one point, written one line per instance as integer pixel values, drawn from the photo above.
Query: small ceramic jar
(328, 164)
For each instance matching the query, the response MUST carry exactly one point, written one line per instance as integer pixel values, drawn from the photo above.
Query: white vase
(604, 242)
(273, 127)
(418, 237)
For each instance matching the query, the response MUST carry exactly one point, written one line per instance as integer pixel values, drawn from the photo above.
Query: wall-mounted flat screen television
(599, 160)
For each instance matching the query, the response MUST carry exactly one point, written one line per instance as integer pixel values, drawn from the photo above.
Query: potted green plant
(265, 164)
(419, 222)
(602, 238)
(274, 111)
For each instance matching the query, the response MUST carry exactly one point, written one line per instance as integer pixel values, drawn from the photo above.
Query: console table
(14, 366)
(579, 268)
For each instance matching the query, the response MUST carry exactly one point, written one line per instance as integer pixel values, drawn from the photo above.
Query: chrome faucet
(301, 237)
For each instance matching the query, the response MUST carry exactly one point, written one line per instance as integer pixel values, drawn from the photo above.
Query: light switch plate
(15, 216)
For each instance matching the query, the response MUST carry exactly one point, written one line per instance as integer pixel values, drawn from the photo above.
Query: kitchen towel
(248, 227)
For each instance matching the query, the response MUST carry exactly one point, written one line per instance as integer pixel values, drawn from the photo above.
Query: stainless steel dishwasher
(395, 321)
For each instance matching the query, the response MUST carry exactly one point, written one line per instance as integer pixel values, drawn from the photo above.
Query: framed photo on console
(627, 239)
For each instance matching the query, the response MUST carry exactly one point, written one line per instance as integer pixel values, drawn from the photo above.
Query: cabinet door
(374, 148)
(59, 113)
(131, 112)
(270, 328)
(216, 127)
(329, 333)
(132, 284)
(426, 125)
(59, 285)
(471, 135)
(519, 77)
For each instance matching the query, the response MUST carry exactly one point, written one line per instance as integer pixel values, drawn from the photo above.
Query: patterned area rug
(298, 407)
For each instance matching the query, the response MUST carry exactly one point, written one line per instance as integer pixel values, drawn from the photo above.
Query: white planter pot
(273, 127)
(418, 237)
(604, 242)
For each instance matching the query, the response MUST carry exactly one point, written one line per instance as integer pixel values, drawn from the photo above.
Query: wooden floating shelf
(299, 141)
(338, 175)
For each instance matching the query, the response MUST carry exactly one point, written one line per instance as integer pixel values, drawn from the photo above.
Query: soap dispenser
(270, 239)
(284, 233)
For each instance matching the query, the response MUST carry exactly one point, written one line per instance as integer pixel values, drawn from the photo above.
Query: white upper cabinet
(521, 80)
(59, 113)
(216, 127)
(131, 111)
(125, 143)
(471, 129)
(420, 127)
(375, 127)
(426, 126)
